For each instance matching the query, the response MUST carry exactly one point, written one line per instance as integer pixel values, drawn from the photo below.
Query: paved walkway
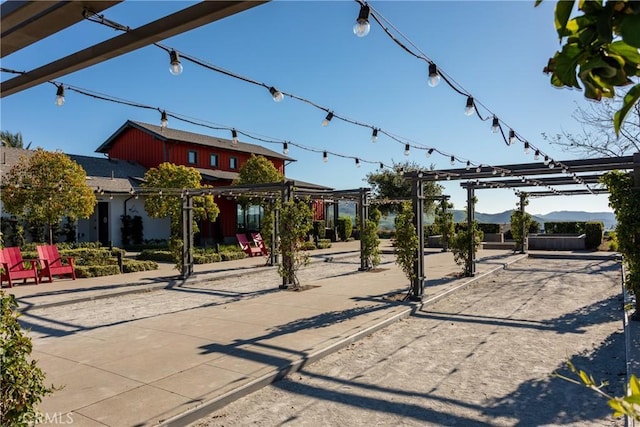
(176, 367)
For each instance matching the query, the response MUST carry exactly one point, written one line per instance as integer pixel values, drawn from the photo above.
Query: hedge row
(593, 230)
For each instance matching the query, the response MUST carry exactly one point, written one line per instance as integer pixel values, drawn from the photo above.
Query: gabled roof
(168, 134)
(108, 174)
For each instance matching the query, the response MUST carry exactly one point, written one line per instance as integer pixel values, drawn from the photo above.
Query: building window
(192, 157)
(233, 163)
(249, 219)
(213, 160)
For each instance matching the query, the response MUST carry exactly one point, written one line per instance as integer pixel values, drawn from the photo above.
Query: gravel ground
(81, 316)
(482, 356)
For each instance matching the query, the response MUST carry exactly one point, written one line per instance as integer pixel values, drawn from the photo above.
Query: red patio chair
(248, 247)
(13, 266)
(52, 263)
(257, 239)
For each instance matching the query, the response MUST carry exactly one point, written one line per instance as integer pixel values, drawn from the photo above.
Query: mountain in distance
(607, 218)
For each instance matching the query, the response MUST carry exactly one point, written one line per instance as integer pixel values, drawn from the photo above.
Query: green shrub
(206, 258)
(430, 230)
(318, 230)
(489, 228)
(324, 243)
(593, 231)
(230, 256)
(132, 265)
(308, 246)
(345, 227)
(155, 255)
(96, 270)
(564, 227)
(22, 381)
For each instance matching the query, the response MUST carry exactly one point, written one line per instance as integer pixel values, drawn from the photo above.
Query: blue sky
(495, 50)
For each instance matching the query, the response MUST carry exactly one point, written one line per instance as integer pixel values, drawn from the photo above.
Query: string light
(453, 160)
(175, 67)
(470, 108)
(536, 155)
(362, 26)
(164, 122)
(407, 147)
(526, 147)
(479, 169)
(546, 160)
(357, 162)
(325, 157)
(285, 148)
(276, 94)
(327, 119)
(429, 152)
(374, 135)
(60, 96)
(495, 127)
(512, 137)
(468, 165)
(234, 137)
(434, 76)
(381, 166)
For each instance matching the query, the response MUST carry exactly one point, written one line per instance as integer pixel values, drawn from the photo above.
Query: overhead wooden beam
(27, 22)
(177, 23)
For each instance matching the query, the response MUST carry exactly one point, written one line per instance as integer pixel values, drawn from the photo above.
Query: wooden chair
(257, 239)
(248, 247)
(13, 266)
(52, 263)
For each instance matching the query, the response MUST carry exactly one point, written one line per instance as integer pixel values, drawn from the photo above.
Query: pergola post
(445, 240)
(470, 270)
(417, 196)
(335, 219)
(636, 170)
(187, 236)
(525, 240)
(363, 214)
(275, 231)
(287, 191)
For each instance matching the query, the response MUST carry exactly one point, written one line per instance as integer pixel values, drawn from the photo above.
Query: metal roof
(169, 134)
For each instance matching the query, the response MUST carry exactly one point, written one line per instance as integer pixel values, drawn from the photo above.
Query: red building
(218, 161)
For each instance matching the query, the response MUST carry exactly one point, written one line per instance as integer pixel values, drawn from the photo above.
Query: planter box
(557, 242)
(494, 237)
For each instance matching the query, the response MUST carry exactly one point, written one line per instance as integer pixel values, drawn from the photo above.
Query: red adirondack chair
(53, 264)
(257, 239)
(248, 247)
(13, 266)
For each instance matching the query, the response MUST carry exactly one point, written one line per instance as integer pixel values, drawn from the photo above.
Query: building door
(103, 223)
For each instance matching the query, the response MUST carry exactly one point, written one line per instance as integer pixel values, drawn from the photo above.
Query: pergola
(284, 191)
(584, 172)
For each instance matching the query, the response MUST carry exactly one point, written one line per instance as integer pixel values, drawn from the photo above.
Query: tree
(406, 242)
(296, 220)
(44, 188)
(12, 140)
(22, 381)
(460, 242)
(391, 185)
(600, 49)
(517, 225)
(259, 170)
(625, 202)
(370, 240)
(597, 136)
(444, 223)
(159, 205)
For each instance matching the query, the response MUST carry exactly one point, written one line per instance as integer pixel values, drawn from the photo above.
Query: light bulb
(60, 96)
(552, 165)
(327, 119)
(512, 136)
(374, 135)
(536, 156)
(448, 177)
(546, 160)
(453, 160)
(285, 148)
(325, 157)
(495, 171)
(357, 162)
(362, 26)
(234, 137)
(406, 149)
(434, 76)
(470, 108)
(495, 127)
(276, 94)
(163, 120)
(175, 67)
(429, 152)
(381, 166)
(468, 165)
(526, 147)
(479, 169)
